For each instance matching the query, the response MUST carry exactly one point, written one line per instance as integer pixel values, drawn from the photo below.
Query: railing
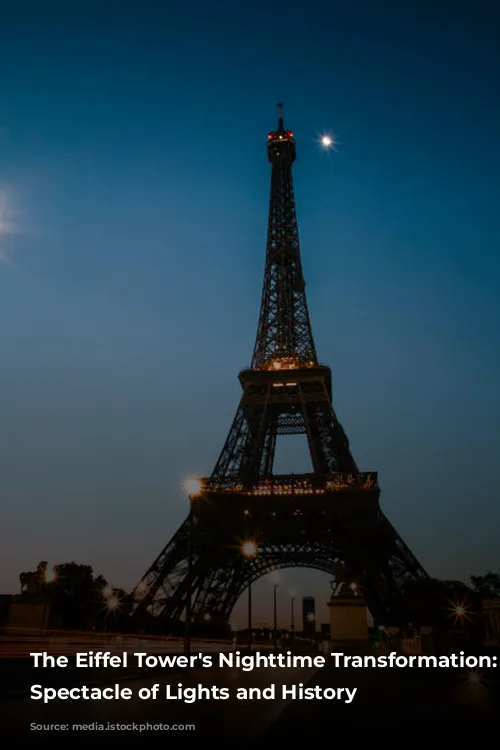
(300, 484)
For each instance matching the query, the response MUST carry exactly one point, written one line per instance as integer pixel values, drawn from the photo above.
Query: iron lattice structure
(328, 519)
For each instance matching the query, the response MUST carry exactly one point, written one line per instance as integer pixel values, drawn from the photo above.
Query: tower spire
(284, 330)
(327, 517)
(280, 116)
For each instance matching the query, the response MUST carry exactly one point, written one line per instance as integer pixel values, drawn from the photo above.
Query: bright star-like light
(327, 141)
(460, 611)
(113, 603)
(249, 549)
(473, 677)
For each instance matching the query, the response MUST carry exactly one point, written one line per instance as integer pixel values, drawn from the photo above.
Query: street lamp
(249, 550)
(292, 617)
(51, 576)
(193, 488)
(311, 618)
(275, 587)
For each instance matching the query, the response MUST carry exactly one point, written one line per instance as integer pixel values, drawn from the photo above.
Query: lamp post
(292, 617)
(48, 579)
(250, 613)
(249, 550)
(193, 488)
(275, 587)
(311, 618)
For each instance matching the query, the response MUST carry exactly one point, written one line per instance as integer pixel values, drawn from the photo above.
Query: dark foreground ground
(399, 705)
(391, 705)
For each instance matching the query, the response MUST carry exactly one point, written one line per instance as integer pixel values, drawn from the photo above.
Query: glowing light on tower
(192, 486)
(249, 549)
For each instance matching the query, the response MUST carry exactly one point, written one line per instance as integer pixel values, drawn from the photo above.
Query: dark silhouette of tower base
(246, 521)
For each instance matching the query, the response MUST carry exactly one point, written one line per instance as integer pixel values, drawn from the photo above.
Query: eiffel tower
(245, 521)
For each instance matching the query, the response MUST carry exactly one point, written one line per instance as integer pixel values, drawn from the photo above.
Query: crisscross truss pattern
(280, 402)
(284, 329)
(378, 561)
(313, 520)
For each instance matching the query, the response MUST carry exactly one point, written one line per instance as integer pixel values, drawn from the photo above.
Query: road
(393, 704)
(67, 644)
(16, 666)
(232, 722)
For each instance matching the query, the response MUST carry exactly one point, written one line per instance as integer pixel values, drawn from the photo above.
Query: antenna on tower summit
(280, 120)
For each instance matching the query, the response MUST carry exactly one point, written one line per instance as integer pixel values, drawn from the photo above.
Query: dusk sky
(134, 189)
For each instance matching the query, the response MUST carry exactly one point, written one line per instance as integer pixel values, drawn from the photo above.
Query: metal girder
(380, 562)
(285, 392)
(284, 326)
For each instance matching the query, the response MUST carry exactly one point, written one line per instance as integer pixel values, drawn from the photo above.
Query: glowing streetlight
(292, 615)
(473, 677)
(113, 603)
(192, 487)
(249, 550)
(207, 616)
(51, 576)
(274, 577)
(460, 611)
(107, 591)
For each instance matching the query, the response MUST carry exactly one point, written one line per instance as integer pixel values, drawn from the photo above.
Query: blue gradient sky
(133, 201)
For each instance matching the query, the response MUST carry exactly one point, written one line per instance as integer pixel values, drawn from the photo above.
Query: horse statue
(342, 577)
(32, 582)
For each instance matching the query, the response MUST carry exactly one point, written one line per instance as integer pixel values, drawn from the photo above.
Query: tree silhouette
(82, 600)
(487, 585)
